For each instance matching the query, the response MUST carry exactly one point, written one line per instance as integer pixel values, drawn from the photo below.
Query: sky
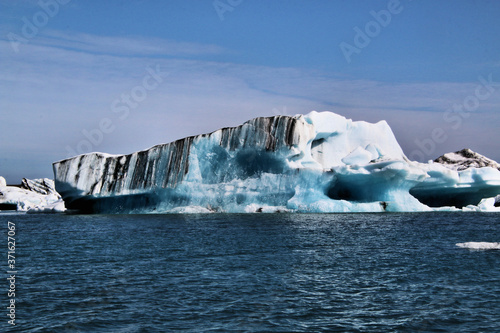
(121, 76)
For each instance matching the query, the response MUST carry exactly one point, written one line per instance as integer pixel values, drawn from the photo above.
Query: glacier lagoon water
(255, 273)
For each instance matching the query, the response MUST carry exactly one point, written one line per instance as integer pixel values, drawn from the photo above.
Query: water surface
(256, 273)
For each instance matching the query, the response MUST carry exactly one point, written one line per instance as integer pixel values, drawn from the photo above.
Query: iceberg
(318, 162)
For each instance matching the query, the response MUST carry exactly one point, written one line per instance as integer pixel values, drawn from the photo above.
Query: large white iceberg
(319, 162)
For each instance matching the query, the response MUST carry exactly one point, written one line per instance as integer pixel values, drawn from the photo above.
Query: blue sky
(431, 69)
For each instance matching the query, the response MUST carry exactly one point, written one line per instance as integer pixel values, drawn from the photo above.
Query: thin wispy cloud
(63, 83)
(128, 46)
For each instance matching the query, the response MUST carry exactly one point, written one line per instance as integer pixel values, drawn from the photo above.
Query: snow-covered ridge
(319, 162)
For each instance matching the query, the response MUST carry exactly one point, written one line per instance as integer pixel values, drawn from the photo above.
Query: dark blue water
(254, 273)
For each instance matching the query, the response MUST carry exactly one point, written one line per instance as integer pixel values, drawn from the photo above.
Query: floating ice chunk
(56, 207)
(254, 208)
(480, 245)
(485, 205)
(189, 210)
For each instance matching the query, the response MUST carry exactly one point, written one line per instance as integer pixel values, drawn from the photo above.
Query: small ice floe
(189, 210)
(480, 245)
(56, 207)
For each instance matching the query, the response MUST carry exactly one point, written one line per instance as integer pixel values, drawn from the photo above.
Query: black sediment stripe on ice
(270, 129)
(187, 151)
(169, 152)
(178, 149)
(226, 136)
(118, 178)
(112, 180)
(78, 169)
(282, 132)
(278, 131)
(61, 170)
(176, 166)
(178, 162)
(290, 131)
(98, 180)
(105, 181)
(139, 170)
(150, 167)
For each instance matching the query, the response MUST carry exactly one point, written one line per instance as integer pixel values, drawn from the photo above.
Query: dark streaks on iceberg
(161, 166)
(270, 133)
(178, 164)
(86, 178)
